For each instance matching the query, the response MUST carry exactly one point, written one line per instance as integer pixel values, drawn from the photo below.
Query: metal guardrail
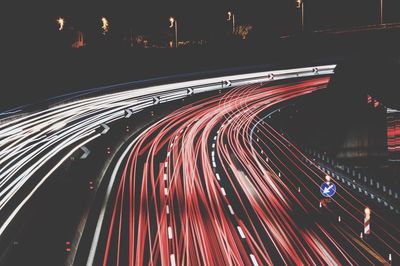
(370, 187)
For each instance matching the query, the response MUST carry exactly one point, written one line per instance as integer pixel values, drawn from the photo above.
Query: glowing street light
(171, 21)
(105, 26)
(174, 24)
(231, 17)
(61, 23)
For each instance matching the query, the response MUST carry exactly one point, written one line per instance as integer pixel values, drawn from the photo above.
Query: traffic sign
(328, 189)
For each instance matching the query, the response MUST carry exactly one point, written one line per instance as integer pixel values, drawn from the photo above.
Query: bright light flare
(105, 25)
(61, 23)
(328, 178)
(367, 212)
(171, 21)
(229, 16)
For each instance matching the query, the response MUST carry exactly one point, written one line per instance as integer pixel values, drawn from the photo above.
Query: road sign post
(328, 189)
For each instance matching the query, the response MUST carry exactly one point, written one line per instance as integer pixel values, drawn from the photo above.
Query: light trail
(35, 141)
(195, 188)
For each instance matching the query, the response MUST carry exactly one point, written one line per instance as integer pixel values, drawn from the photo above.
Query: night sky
(197, 18)
(33, 65)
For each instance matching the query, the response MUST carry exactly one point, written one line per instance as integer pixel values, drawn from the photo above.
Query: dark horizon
(206, 20)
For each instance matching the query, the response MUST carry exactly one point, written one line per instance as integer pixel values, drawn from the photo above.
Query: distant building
(393, 134)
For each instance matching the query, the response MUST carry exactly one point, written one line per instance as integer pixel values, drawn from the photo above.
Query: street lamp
(174, 24)
(61, 23)
(105, 25)
(381, 13)
(231, 17)
(300, 4)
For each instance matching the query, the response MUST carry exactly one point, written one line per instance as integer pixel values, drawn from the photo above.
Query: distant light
(328, 178)
(68, 246)
(229, 15)
(376, 103)
(171, 20)
(367, 212)
(61, 23)
(105, 25)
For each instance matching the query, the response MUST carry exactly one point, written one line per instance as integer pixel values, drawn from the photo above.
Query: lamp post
(300, 5)
(302, 16)
(174, 24)
(231, 17)
(381, 12)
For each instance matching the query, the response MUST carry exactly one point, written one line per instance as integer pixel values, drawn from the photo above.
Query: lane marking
(231, 210)
(223, 191)
(240, 232)
(218, 177)
(253, 259)
(169, 232)
(172, 258)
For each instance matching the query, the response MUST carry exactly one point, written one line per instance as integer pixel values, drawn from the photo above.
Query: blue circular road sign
(328, 189)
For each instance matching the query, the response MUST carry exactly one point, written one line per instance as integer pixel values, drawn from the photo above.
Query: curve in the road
(211, 185)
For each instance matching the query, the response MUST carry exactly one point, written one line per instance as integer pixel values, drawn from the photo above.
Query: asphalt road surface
(210, 183)
(213, 183)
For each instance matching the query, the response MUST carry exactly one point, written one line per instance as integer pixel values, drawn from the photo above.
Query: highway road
(211, 183)
(214, 184)
(35, 144)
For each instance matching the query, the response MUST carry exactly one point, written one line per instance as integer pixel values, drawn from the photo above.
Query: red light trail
(393, 134)
(213, 184)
